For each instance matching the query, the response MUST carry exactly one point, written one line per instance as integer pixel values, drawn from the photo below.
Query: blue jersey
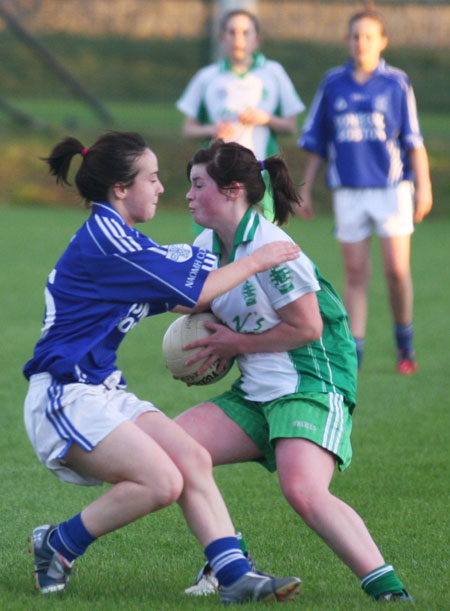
(363, 130)
(108, 279)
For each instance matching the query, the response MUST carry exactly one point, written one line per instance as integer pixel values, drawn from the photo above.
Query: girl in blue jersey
(291, 407)
(364, 123)
(84, 425)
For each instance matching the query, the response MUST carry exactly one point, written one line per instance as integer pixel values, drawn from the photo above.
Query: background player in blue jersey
(244, 97)
(83, 424)
(291, 407)
(364, 123)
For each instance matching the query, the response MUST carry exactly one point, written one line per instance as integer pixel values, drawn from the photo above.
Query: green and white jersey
(216, 93)
(326, 365)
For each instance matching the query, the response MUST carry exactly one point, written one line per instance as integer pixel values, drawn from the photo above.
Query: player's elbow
(290, 126)
(186, 132)
(291, 129)
(313, 331)
(191, 128)
(307, 334)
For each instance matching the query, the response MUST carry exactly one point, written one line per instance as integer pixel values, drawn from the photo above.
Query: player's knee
(358, 273)
(304, 500)
(396, 275)
(202, 459)
(170, 487)
(164, 488)
(198, 464)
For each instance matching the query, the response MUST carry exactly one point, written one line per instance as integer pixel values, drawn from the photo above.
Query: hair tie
(85, 151)
(262, 165)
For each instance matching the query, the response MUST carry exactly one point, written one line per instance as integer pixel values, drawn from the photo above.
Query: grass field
(24, 180)
(398, 481)
(139, 81)
(399, 478)
(155, 70)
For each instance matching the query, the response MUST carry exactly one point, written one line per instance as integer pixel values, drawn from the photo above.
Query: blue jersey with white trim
(363, 130)
(108, 279)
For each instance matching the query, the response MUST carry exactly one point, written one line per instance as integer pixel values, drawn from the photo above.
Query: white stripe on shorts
(335, 423)
(62, 425)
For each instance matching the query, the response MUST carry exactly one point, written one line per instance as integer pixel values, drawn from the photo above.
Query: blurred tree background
(135, 58)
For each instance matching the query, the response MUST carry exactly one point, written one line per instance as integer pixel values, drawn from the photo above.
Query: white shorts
(57, 415)
(389, 209)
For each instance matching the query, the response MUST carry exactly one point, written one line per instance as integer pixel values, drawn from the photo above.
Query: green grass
(24, 180)
(138, 81)
(399, 478)
(398, 481)
(156, 71)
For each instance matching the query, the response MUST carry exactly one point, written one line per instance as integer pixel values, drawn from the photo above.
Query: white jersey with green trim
(216, 93)
(326, 365)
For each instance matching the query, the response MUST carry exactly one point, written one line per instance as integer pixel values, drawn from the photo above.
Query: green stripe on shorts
(323, 418)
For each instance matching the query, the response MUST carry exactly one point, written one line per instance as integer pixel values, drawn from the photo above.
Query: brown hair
(230, 14)
(369, 13)
(109, 160)
(228, 162)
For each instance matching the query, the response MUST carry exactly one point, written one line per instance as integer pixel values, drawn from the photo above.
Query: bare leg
(305, 472)
(232, 445)
(152, 464)
(357, 275)
(201, 502)
(145, 478)
(396, 259)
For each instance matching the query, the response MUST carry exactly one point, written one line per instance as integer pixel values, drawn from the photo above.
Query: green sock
(242, 542)
(382, 580)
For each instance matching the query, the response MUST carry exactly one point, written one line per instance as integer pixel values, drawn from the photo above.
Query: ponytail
(285, 195)
(61, 156)
(228, 162)
(111, 159)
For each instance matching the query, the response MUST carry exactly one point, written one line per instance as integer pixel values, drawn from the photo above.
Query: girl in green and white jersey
(291, 408)
(244, 97)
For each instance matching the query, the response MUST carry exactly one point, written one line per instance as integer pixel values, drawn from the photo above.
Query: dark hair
(230, 14)
(109, 160)
(228, 162)
(369, 13)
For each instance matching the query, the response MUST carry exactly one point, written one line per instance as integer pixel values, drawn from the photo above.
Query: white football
(182, 331)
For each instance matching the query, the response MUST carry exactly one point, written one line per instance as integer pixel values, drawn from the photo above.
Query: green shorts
(323, 418)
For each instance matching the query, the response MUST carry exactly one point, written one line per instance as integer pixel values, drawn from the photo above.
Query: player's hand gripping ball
(182, 331)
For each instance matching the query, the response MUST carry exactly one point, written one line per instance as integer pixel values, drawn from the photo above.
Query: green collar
(259, 60)
(245, 233)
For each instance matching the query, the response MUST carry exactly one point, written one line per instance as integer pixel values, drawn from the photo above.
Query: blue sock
(71, 539)
(359, 341)
(227, 560)
(404, 339)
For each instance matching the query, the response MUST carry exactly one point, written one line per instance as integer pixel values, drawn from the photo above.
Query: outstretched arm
(227, 277)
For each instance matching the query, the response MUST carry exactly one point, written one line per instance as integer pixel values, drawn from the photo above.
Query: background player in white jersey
(83, 424)
(291, 408)
(244, 97)
(364, 123)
